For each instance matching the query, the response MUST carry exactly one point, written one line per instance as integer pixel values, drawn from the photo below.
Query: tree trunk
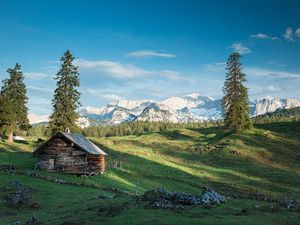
(10, 137)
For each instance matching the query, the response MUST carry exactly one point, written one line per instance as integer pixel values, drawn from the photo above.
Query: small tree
(235, 101)
(66, 97)
(13, 96)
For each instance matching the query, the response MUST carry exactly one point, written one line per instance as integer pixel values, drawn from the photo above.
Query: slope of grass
(264, 160)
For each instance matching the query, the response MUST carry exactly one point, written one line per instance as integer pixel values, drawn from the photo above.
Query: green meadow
(264, 161)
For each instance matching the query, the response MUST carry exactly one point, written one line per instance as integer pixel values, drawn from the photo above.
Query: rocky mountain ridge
(188, 108)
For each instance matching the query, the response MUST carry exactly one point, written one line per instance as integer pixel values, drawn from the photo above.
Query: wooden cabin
(70, 153)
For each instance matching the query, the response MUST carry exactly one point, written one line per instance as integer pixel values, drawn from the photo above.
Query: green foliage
(38, 130)
(7, 116)
(280, 115)
(235, 101)
(14, 111)
(138, 127)
(66, 97)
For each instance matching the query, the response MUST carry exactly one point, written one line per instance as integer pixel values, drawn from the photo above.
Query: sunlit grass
(263, 160)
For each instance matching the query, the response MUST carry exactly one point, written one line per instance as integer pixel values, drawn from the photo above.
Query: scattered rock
(20, 195)
(209, 196)
(162, 198)
(15, 223)
(205, 148)
(287, 204)
(165, 204)
(33, 221)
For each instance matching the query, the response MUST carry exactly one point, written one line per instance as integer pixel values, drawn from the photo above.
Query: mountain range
(188, 108)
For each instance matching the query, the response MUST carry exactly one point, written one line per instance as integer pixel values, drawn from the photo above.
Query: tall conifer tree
(66, 97)
(235, 101)
(14, 112)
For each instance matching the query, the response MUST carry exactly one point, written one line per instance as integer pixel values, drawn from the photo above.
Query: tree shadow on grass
(283, 144)
(175, 135)
(224, 172)
(285, 129)
(212, 135)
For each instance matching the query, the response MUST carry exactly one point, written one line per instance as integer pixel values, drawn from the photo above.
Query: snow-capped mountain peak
(188, 108)
(91, 110)
(130, 104)
(34, 119)
(270, 104)
(193, 95)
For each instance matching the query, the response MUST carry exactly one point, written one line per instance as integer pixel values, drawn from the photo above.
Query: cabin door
(51, 164)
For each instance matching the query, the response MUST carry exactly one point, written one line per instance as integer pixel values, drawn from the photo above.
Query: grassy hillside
(279, 115)
(262, 162)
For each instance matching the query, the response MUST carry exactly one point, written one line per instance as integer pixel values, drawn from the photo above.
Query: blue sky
(151, 49)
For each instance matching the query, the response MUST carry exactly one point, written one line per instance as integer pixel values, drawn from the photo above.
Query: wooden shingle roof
(80, 141)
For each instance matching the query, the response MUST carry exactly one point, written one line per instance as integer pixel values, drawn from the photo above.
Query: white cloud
(35, 75)
(33, 118)
(289, 34)
(214, 67)
(114, 69)
(174, 75)
(39, 105)
(272, 88)
(297, 32)
(91, 91)
(124, 71)
(260, 36)
(240, 48)
(103, 93)
(271, 73)
(264, 36)
(275, 63)
(46, 90)
(274, 38)
(112, 97)
(149, 53)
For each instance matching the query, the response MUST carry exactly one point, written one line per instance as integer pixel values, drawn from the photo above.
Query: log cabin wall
(61, 155)
(96, 163)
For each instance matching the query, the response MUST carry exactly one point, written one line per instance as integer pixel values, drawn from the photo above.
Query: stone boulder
(20, 195)
(162, 198)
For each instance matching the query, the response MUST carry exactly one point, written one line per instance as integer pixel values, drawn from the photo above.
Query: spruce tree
(14, 112)
(66, 97)
(7, 117)
(235, 101)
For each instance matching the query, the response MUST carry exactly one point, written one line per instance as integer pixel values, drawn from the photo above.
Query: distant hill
(279, 115)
